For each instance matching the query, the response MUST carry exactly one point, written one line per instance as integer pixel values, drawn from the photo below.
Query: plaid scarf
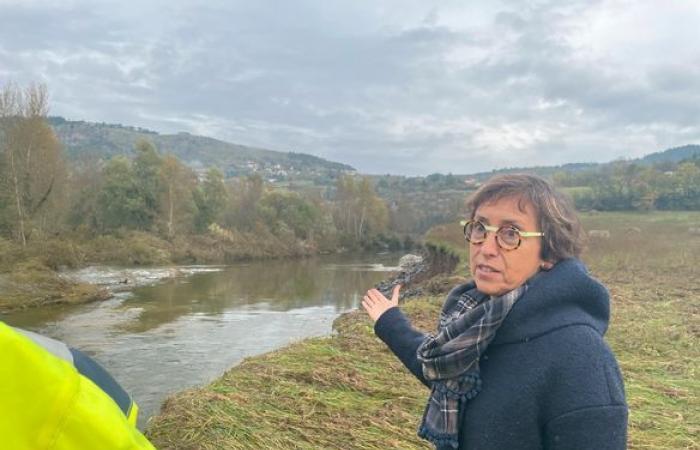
(450, 359)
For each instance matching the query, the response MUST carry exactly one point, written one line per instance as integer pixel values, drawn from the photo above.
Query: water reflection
(164, 338)
(269, 286)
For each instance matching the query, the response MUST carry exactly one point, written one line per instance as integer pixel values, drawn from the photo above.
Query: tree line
(624, 186)
(42, 196)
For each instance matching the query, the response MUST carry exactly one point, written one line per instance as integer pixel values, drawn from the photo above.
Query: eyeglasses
(507, 237)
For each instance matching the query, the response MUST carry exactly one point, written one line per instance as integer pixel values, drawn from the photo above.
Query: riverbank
(34, 276)
(32, 285)
(343, 391)
(348, 391)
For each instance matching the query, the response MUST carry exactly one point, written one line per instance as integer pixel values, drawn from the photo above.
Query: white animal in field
(599, 234)
(633, 230)
(694, 230)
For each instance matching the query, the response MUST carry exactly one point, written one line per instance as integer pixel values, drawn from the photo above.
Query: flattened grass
(654, 281)
(348, 391)
(339, 392)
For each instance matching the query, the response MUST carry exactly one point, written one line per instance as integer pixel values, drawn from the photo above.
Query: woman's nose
(490, 246)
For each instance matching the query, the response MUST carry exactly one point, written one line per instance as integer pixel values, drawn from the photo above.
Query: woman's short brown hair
(563, 235)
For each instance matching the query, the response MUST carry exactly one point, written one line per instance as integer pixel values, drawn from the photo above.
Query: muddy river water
(159, 337)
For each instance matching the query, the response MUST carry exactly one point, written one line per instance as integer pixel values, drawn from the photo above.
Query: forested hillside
(660, 180)
(141, 204)
(63, 177)
(88, 140)
(108, 200)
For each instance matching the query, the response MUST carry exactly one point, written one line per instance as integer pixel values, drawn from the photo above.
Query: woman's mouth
(485, 271)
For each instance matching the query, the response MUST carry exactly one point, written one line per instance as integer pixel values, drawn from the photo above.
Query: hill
(676, 154)
(100, 140)
(671, 155)
(103, 140)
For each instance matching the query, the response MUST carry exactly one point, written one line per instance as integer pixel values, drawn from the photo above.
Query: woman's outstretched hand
(376, 304)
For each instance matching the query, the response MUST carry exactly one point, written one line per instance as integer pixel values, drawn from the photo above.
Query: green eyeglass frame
(503, 240)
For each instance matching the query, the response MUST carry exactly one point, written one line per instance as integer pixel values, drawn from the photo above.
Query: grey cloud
(387, 87)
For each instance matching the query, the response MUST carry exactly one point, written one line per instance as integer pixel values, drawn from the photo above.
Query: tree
(344, 203)
(682, 190)
(120, 203)
(403, 217)
(292, 210)
(146, 168)
(177, 184)
(85, 180)
(242, 211)
(210, 198)
(358, 211)
(32, 165)
(373, 215)
(619, 188)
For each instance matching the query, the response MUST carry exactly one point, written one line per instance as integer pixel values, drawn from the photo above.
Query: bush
(57, 254)
(10, 253)
(133, 248)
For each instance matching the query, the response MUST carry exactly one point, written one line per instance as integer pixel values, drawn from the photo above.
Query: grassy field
(348, 391)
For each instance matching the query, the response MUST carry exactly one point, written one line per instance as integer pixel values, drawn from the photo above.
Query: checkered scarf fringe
(450, 359)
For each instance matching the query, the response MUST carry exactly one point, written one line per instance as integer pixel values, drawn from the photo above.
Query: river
(167, 336)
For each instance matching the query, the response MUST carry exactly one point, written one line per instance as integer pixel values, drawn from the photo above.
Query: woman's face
(497, 271)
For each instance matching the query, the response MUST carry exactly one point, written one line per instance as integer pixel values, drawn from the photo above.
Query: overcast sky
(405, 87)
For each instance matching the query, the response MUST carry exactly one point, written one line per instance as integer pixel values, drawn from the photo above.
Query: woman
(518, 360)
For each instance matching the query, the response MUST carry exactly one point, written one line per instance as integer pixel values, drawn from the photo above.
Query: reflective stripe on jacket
(56, 398)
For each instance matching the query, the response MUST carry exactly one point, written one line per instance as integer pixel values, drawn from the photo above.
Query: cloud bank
(404, 87)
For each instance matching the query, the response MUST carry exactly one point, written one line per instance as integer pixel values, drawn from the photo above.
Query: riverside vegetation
(152, 209)
(349, 391)
(123, 201)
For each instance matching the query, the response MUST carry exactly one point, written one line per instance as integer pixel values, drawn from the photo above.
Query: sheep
(599, 234)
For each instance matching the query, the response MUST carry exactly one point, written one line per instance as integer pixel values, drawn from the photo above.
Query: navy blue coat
(549, 381)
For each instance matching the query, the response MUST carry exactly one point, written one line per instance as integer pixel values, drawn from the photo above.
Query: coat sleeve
(595, 428)
(403, 340)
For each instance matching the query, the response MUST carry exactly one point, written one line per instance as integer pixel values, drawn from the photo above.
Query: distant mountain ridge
(104, 141)
(673, 155)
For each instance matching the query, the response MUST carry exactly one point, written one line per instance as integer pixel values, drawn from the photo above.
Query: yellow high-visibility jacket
(47, 403)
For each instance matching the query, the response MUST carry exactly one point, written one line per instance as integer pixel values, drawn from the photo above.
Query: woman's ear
(546, 265)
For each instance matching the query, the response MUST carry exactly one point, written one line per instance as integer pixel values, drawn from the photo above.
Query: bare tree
(31, 153)
(178, 206)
